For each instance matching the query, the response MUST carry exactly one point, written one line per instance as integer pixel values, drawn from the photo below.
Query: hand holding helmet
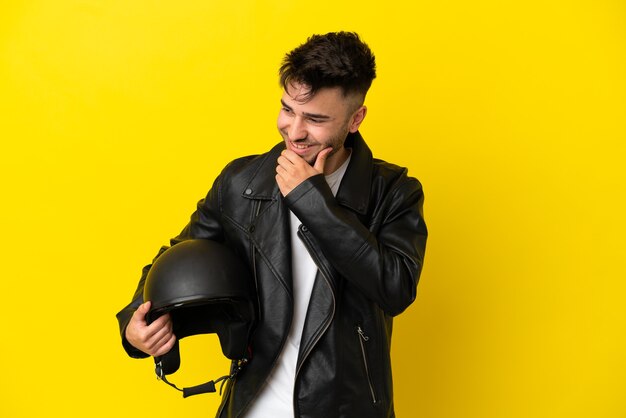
(155, 339)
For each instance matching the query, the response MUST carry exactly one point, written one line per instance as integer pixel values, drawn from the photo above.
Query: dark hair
(337, 59)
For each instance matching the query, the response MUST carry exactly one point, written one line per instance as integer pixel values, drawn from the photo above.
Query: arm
(383, 260)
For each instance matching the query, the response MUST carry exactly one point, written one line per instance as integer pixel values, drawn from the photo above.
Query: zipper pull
(362, 334)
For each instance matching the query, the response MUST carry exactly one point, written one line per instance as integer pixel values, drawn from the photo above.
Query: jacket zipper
(363, 339)
(257, 209)
(327, 324)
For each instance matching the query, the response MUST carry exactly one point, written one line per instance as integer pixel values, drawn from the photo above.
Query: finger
(291, 161)
(158, 328)
(139, 316)
(284, 163)
(320, 160)
(291, 156)
(166, 347)
(161, 323)
(159, 339)
(145, 334)
(142, 310)
(281, 171)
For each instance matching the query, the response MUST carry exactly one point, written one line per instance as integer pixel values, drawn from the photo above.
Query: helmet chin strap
(207, 387)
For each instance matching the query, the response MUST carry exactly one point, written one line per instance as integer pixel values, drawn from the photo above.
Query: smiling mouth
(300, 146)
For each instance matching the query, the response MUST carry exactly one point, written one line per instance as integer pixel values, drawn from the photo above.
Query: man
(335, 239)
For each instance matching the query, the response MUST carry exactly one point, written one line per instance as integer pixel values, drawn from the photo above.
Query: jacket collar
(356, 183)
(353, 191)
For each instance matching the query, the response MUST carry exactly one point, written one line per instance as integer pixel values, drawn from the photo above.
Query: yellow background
(115, 117)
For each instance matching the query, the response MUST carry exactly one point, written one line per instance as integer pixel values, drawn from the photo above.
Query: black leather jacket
(368, 244)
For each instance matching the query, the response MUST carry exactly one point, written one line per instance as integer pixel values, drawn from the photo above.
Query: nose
(296, 129)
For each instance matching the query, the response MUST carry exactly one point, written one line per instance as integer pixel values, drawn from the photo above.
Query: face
(322, 121)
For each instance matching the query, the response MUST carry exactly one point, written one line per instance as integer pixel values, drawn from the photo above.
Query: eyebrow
(309, 115)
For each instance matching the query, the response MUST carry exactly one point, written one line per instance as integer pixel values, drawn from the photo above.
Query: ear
(357, 119)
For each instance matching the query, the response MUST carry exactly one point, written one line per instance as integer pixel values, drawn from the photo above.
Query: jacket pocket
(363, 343)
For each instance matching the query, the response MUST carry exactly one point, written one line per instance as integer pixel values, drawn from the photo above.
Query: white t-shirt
(276, 398)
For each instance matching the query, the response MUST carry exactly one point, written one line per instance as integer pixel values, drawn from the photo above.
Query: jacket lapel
(354, 191)
(269, 227)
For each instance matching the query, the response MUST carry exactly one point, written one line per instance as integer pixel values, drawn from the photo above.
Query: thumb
(320, 160)
(142, 310)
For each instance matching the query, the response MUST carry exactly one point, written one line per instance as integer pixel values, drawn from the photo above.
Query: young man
(335, 239)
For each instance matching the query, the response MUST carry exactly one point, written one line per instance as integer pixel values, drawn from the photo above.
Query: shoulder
(243, 164)
(393, 177)
(394, 194)
(252, 176)
(249, 166)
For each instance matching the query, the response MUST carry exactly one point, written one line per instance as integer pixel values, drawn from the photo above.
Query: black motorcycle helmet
(206, 289)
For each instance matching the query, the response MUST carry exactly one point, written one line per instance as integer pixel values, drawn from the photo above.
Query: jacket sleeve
(383, 259)
(204, 223)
